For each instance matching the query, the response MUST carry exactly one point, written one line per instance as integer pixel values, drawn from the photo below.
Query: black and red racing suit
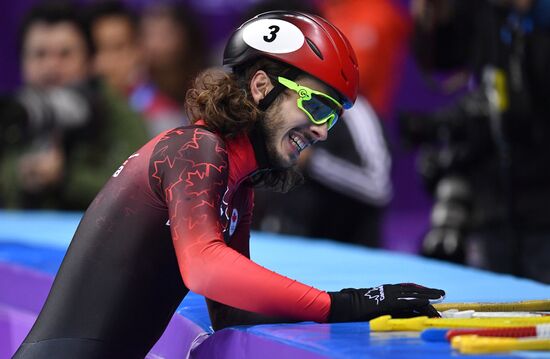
(174, 217)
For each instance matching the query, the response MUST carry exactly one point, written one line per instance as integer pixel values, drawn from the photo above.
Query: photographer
(487, 159)
(62, 135)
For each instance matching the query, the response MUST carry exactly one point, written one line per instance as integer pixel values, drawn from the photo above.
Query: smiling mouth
(299, 141)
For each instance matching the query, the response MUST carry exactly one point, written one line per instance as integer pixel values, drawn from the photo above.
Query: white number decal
(117, 172)
(273, 35)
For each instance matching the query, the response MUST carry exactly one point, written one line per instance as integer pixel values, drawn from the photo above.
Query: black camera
(450, 142)
(34, 112)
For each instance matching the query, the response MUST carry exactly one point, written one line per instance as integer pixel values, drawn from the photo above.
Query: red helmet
(307, 42)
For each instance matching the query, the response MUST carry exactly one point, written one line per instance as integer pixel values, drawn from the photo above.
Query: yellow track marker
(523, 306)
(472, 344)
(385, 323)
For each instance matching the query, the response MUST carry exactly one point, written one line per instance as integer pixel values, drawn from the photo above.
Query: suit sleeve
(189, 169)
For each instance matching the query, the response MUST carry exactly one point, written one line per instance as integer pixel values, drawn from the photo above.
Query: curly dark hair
(223, 100)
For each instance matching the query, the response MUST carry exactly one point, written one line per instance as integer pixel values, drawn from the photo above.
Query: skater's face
(289, 129)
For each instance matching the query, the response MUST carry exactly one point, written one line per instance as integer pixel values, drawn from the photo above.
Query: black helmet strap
(277, 89)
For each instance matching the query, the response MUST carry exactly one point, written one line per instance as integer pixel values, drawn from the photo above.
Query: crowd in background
(98, 82)
(101, 78)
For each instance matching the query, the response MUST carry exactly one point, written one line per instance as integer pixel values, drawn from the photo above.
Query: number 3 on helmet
(307, 42)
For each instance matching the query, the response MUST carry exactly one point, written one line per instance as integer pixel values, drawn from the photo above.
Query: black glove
(403, 300)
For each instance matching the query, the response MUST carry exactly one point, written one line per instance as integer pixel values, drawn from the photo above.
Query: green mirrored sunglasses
(319, 107)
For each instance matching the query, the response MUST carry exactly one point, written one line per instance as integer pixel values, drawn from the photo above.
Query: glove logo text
(376, 293)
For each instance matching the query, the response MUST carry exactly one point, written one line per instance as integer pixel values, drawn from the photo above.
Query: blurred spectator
(69, 136)
(55, 47)
(119, 61)
(347, 182)
(173, 48)
(55, 50)
(117, 58)
(486, 156)
(379, 31)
